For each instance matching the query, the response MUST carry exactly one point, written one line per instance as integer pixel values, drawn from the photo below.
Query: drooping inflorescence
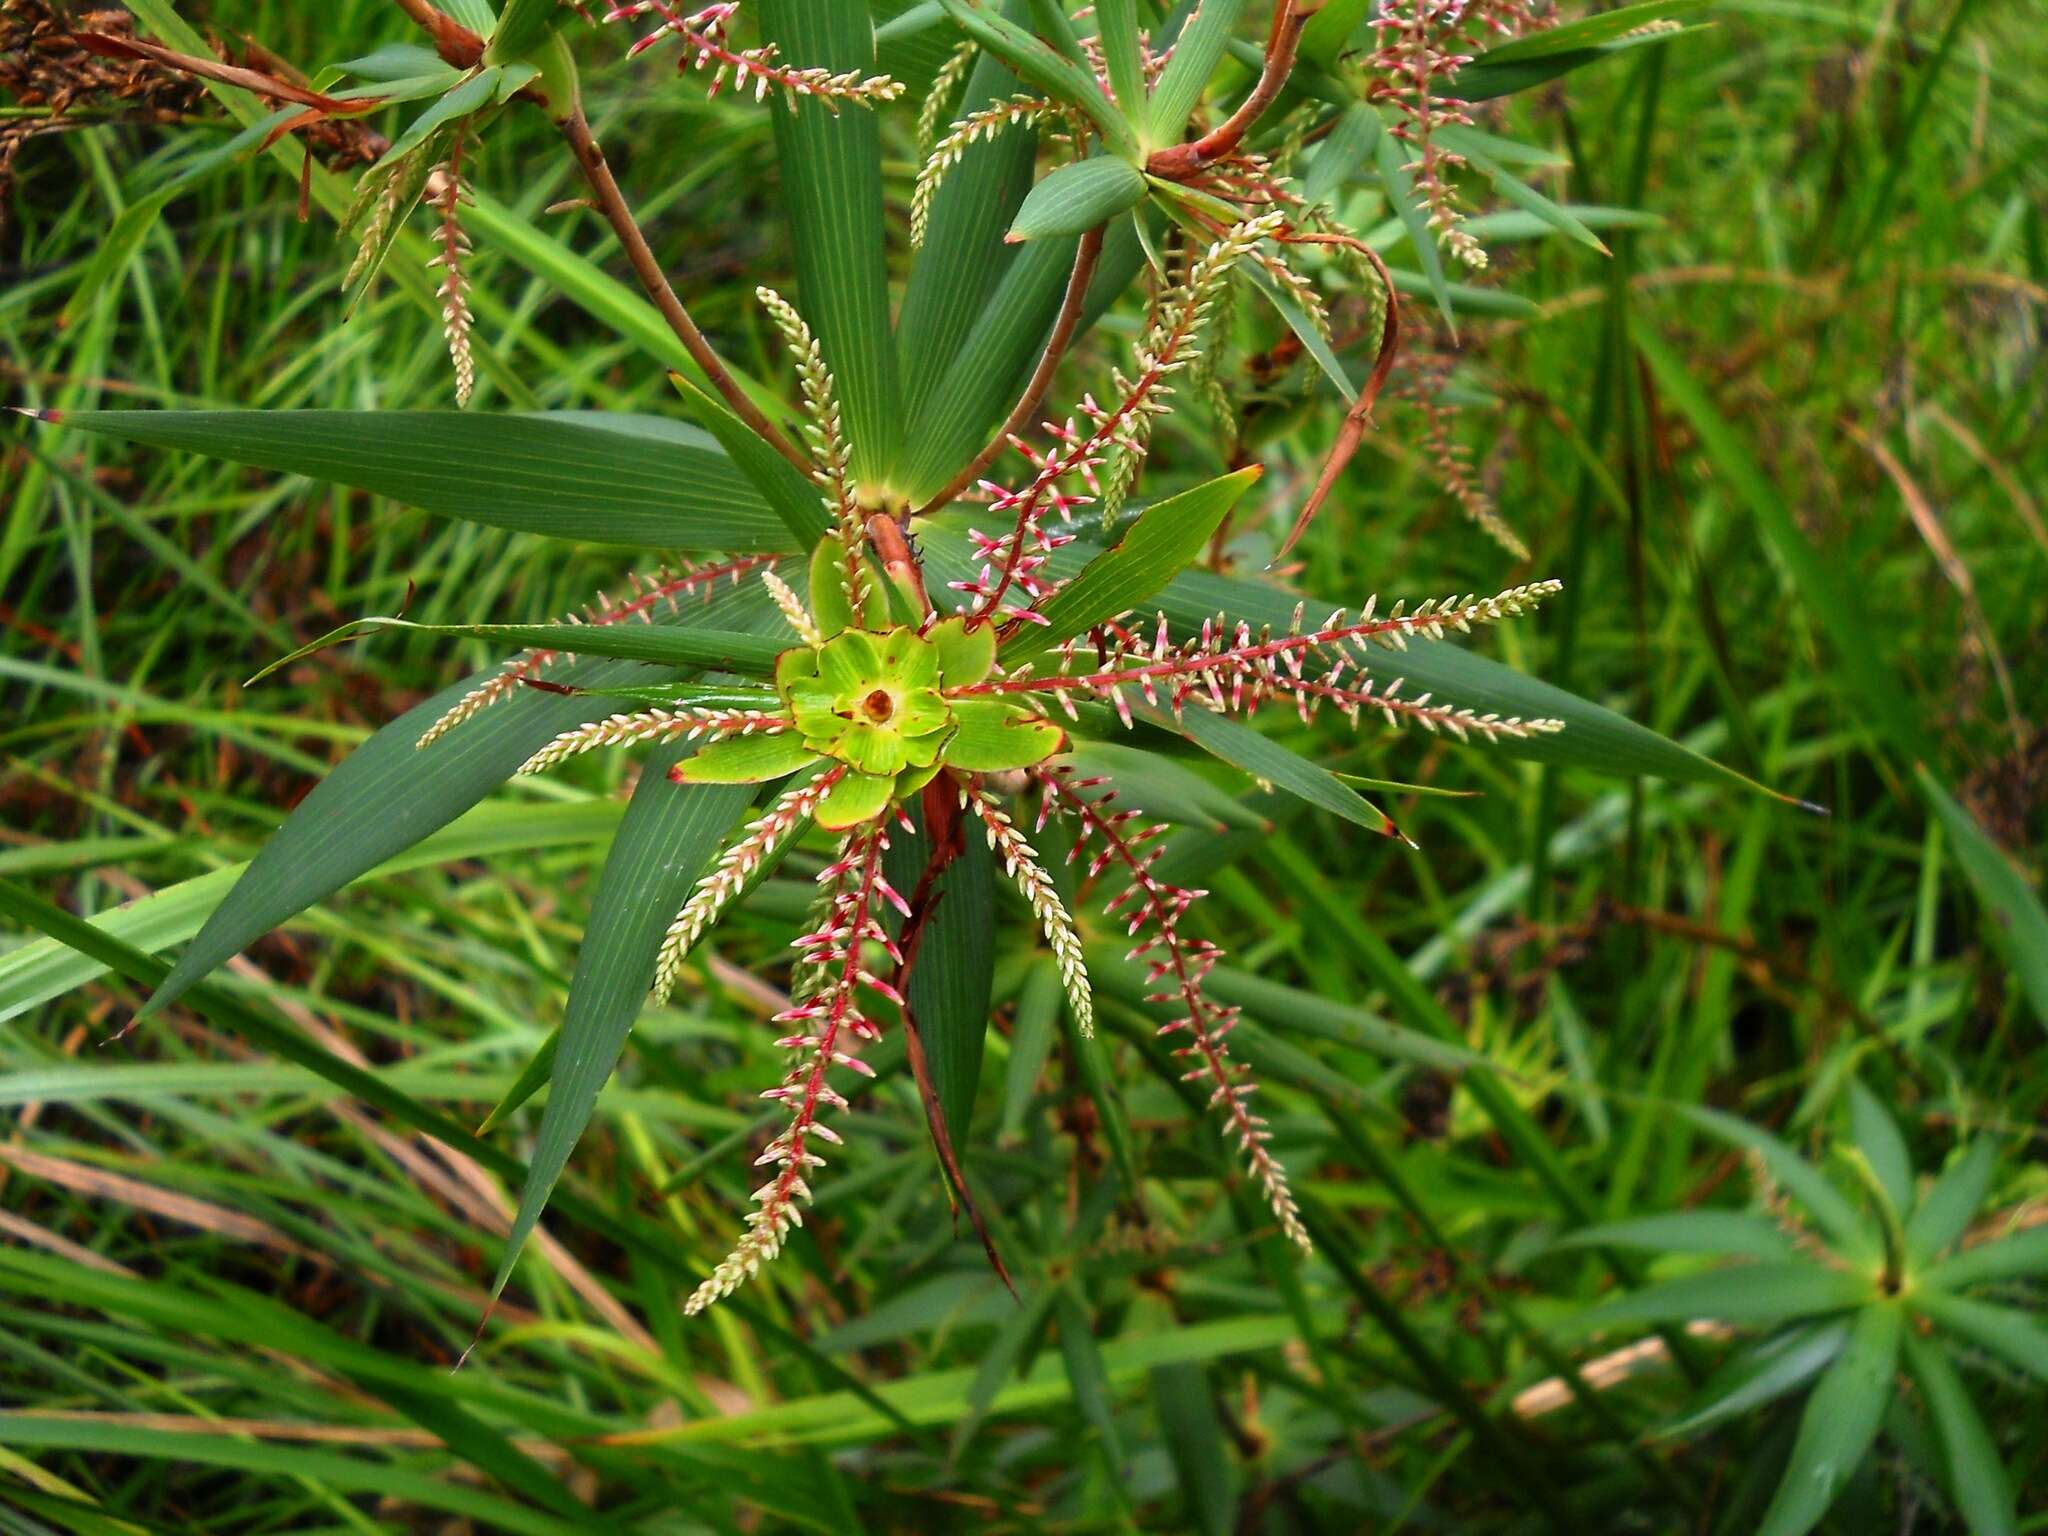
(702, 34)
(665, 589)
(445, 192)
(1176, 965)
(947, 151)
(831, 1027)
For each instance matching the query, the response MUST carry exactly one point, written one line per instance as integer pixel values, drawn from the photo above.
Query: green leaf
(2022, 1256)
(388, 794)
(1592, 31)
(1160, 788)
(1716, 1232)
(725, 650)
(856, 798)
(1530, 201)
(999, 1363)
(1196, 53)
(793, 495)
(1390, 157)
(1090, 1384)
(2018, 926)
(1765, 1294)
(964, 260)
(1263, 758)
(1594, 737)
(1803, 1182)
(1078, 197)
(472, 95)
(1878, 1139)
(748, 759)
(605, 478)
(1839, 1424)
(1339, 156)
(1976, 1476)
(1488, 78)
(1117, 25)
(1193, 1434)
(668, 837)
(831, 159)
(524, 25)
(1039, 64)
(1761, 1375)
(2015, 1337)
(1954, 1200)
(954, 976)
(1151, 552)
(993, 737)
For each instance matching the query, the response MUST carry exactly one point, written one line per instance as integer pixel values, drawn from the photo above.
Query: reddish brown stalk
(899, 561)
(1177, 162)
(455, 43)
(647, 267)
(227, 74)
(1352, 432)
(1063, 328)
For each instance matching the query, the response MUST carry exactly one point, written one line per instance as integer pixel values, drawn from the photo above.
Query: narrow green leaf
(1085, 1375)
(1953, 1202)
(472, 95)
(1766, 1294)
(1196, 53)
(605, 478)
(2022, 1256)
(1160, 788)
(1164, 539)
(1976, 1476)
(1193, 1434)
(1339, 156)
(668, 837)
(1390, 157)
(831, 159)
(1717, 1232)
(794, 496)
(1761, 1375)
(1592, 31)
(1039, 64)
(1265, 759)
(953, 979)
(1117, 25)
(1487, 78)
(1878, 1139)
(999, 1363)
(1077, 197)
(2013, 1336)
(388, 794)
(1839, 1424)
(1530, 201)
(1845, 1227)
(2018, 926)
(725, 650)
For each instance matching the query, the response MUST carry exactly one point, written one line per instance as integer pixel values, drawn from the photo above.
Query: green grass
(235, 1277)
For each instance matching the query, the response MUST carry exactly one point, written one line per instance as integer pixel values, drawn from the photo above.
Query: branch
(1063, 328)
(612, 202)
(1177, 162)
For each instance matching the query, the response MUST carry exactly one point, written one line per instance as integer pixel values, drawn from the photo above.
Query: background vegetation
(1784, 447)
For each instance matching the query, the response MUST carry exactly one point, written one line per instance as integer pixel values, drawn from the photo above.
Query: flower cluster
(702, 34)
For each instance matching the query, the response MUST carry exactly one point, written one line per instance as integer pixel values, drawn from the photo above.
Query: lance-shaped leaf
(831, 160)
(964, 259)
(1535, 60)
(952, 981)
(1761, 1376)
(1196, 53)
(1078, 197)
(2019, 926)
(1532, 202)
(1039, 64)
(1839, 1424)
(668, 836)
(600, 477)
(1976, 1473)
(727, 650)
(1741, 1293)
(795, 497)
(1263, 758)
(1717, 1232)
(1390, 157)
(1155, 548)
(1953, 1202)
(389, 794)
(1117, 31)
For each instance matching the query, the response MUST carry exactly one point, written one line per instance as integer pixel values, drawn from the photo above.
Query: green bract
(887, 706)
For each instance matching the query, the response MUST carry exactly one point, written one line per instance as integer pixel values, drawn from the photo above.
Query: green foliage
(1749, 369)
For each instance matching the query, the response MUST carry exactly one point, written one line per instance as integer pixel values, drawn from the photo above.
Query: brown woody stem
(619, 214)
(1063, 328)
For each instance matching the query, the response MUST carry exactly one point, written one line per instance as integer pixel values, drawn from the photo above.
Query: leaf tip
(36, 413)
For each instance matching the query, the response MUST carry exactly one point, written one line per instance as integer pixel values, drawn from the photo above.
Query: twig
(455, 43)
(1177, 162)
(619, 214)
(1019, 419)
